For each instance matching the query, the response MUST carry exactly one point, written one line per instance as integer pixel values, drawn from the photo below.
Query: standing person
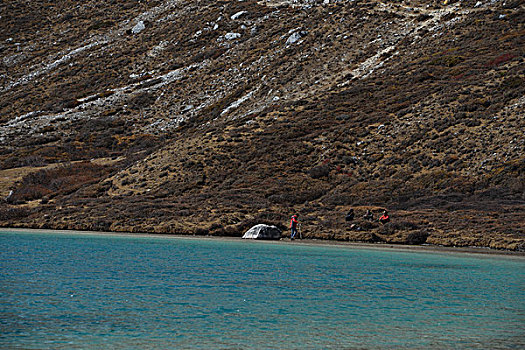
(293, 226)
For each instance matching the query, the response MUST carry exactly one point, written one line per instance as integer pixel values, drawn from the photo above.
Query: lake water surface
(87, 291)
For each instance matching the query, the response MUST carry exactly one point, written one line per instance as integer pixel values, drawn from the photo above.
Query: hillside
(206, 117)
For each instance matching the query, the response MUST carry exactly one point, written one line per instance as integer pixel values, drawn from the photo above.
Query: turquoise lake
(87, 291)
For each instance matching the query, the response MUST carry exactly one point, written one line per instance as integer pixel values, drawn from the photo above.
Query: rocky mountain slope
(206, 117)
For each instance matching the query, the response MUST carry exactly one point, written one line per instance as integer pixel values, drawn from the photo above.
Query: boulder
(232, 36)
(238, 14)
(262, 231)
(295, 37)
(139, 27)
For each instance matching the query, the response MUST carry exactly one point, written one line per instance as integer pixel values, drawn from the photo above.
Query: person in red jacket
(384, 218)
(293, 226)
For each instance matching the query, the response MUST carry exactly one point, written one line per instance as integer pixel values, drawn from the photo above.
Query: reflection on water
(82, 291)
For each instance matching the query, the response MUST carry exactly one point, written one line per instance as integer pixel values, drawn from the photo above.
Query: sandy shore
(304, 242)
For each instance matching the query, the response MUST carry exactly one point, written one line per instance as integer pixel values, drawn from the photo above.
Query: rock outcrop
(263, 231)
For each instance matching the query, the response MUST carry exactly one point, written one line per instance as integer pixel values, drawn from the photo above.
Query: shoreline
(303, 242)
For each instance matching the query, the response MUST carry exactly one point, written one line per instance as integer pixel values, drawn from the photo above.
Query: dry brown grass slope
(210, 116)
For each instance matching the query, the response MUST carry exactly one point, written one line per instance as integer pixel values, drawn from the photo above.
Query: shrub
(387, 229)
(142, 100)
(320, 171)
(100, 25)
(392, 227)
(417, 237)
(367, 225)
(7, 213)
(405, 225)
(513, 82)
(423, 17)
(21, 161)
(501, 59)
(447, 61)
(61, 180)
